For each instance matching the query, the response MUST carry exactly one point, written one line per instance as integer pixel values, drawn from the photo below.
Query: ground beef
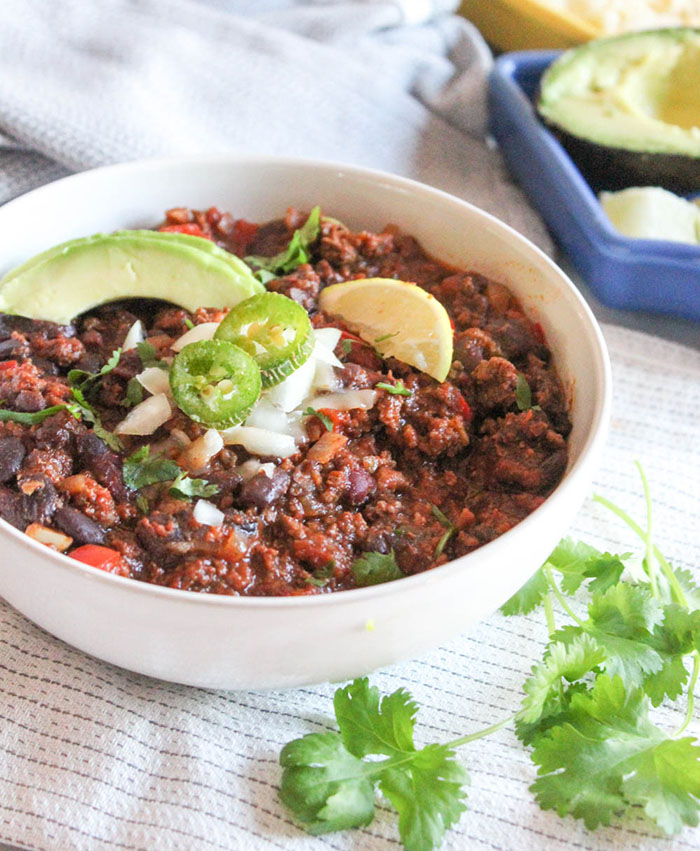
(427, 476)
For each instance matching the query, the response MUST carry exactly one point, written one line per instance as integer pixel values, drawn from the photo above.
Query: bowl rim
(593, 441)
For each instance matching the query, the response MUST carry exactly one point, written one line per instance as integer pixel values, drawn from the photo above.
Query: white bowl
(248, 642)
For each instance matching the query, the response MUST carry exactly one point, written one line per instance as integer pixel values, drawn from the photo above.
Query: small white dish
(248, 642)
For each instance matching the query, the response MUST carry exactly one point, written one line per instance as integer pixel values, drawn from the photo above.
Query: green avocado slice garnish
(81, 274)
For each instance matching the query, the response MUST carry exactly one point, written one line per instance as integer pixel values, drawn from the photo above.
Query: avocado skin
(611, 169)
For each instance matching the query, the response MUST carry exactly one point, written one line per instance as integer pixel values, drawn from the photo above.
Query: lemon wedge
(401, 320)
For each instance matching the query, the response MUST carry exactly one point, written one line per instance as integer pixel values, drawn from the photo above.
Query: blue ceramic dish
(633, 274)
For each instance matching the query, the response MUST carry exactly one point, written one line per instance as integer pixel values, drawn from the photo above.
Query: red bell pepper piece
(103, 558)
(190, 229)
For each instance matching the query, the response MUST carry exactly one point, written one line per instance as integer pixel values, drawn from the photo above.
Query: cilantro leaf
(572, 558)
(447, 524)
(189, 324)
(142, 468)
(134, 393)
(320, 577)
(605, 571)
(84, 380)
(147, 354)
(610, 755)
(324, 785)
(89, 414)
(375, 568)
(523, 395)
(298, 250)
(326, 420)
(529, 597)
(621, 621)
(397, 389)
(186, 488)
(27, 418)
(543, 691)
(369, 725)
(678, 635)
(428, 796)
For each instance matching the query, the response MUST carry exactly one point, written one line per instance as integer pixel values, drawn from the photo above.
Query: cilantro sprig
(297, 252)
(585, 713)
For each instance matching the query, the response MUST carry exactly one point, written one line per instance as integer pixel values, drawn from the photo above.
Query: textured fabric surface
(95, 757)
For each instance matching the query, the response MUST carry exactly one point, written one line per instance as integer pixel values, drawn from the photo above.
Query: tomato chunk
(103, 558)
(7, 364)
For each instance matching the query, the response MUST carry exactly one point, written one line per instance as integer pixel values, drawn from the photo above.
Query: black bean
(360, 486)
(40, 505)
(29, 401)
(12, 454)
(8, 347)
(261, 490)
(11, 508)
(159, 533)
(79, 527)
(106, 465)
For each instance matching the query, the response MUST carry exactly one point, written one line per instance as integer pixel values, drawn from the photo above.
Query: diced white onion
(251, 467)
(324, 377)
(48, 537)
(207, 513)
(291, 392)
(328, 337)
(260, 441)
(324, 353)
(133, 336)
(266, 415)
(205, 331)
(146, 417)
(345, 401)
(200, 452)
(155, 380)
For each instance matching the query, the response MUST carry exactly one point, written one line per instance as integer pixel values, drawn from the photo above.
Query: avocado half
(627, 109)
(68, 279)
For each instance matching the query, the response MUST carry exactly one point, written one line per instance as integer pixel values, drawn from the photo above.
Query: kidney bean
(81, 528)
(12, 454)
(261, 490)
(360, 486)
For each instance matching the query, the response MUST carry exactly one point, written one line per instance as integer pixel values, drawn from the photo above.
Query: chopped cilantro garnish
(86, 381)
(398, 389)
(186, 488)
(296, 253)
(523, 395)
(142, 468)
(189, 324)
(147, 354)
(346, 345)
(27, 418)
(326, 420)
(375, 568)
(134, 393)
(320, 577)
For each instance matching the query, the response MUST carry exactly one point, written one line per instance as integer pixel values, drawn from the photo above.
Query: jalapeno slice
(215, 383)
(274, 330)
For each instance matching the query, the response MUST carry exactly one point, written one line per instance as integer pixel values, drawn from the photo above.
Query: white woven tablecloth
(93, 757)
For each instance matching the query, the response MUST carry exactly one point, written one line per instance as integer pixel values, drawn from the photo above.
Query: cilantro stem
(560, 597)
(691, 695)
(665, 566)
(649, 555)
(549, 613)
(480, 734)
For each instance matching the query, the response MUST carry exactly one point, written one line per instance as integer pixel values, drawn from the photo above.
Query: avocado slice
(627, 109)
(183, 238)
(73, 277)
